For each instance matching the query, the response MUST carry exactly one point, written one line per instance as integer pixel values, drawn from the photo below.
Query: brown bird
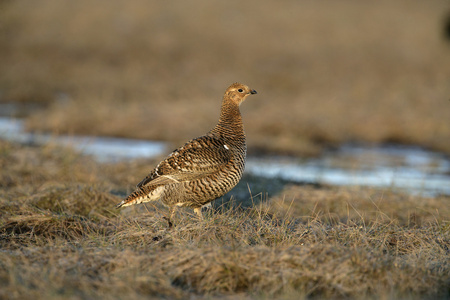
(205, 168)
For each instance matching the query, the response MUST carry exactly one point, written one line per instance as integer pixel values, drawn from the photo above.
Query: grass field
(325, 72)
(60, 237)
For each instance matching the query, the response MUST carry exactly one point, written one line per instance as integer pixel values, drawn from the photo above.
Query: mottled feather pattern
(204, 168)
(199, 157)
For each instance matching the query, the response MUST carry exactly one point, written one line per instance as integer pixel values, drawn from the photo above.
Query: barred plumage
(204, 168)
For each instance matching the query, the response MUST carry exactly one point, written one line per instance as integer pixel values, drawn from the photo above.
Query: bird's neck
(230, 122)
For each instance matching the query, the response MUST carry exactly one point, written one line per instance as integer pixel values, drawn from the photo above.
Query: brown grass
(60, 237)
(326, 72)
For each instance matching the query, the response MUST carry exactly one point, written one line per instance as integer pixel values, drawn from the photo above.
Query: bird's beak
(253, 92)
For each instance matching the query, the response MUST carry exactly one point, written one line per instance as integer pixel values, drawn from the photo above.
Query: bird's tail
(142, 195)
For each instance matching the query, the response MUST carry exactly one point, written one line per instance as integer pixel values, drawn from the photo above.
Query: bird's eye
(240, 90)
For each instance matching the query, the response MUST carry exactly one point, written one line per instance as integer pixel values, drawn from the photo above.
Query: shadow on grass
(254, 190)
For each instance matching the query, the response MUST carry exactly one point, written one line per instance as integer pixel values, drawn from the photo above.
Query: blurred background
(326, 72)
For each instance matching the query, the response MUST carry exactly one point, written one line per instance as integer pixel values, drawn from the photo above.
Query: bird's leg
(168, 222)
(209, 210)
(198, 211)
(168, 219)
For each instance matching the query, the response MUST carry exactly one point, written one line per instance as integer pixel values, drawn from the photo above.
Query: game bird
(203, 169)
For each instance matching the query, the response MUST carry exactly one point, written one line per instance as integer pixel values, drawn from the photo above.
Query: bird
(203, 169)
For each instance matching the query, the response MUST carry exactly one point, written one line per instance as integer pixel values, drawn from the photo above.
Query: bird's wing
(197, 158)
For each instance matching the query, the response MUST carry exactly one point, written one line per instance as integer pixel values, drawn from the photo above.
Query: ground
(326, 73)
(61, 237)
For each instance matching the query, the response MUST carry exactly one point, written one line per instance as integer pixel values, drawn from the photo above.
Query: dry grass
(326, 72)
(60, 237)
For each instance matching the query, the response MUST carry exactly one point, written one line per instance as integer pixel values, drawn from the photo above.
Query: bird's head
(238, 92)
